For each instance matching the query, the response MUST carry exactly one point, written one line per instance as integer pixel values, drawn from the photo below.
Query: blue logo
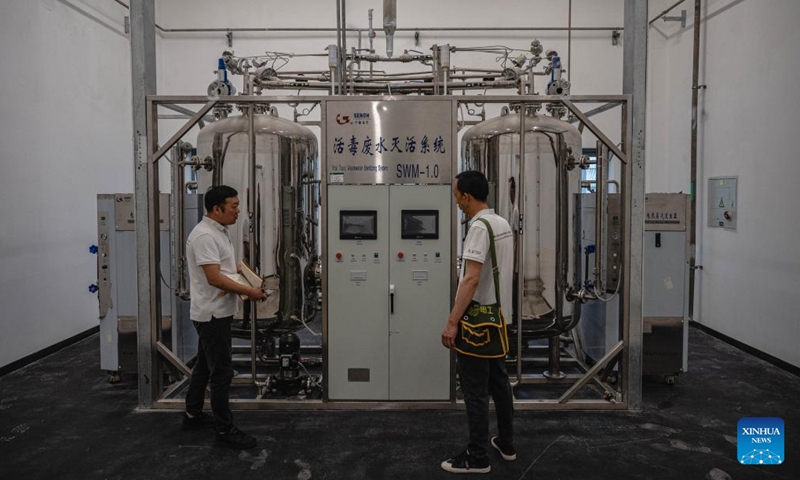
(759, 441)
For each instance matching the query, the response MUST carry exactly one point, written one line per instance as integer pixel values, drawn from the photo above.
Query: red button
(338, 256)
(399, 254)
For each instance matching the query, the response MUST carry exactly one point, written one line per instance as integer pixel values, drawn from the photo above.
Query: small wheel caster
(669, 379)
(114, 377)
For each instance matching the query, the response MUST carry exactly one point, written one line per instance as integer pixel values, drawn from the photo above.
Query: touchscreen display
(358, 225)
(420, 224)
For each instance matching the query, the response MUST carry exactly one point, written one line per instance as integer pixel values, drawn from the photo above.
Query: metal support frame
(630, 345)
(590, 375)
(143, 72)
(173, 359)
(635, 84)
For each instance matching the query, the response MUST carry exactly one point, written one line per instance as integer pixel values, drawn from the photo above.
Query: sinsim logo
(342, 119)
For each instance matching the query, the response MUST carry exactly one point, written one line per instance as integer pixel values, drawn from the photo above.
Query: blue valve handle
(93, 249)
(93, 288)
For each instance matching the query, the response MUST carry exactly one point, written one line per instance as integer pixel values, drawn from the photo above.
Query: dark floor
(60, 418)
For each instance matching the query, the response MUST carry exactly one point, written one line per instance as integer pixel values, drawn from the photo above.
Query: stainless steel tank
(544, 258)
(287, 204)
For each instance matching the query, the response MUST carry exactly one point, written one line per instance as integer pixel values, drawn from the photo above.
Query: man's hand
(449, 335)
(256, 294)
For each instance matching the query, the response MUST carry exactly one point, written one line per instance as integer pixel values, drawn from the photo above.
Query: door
(419, 280)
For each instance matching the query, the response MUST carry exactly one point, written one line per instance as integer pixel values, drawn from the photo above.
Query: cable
(161, 275)
(599, 297)
(303, 313)
(309, 375)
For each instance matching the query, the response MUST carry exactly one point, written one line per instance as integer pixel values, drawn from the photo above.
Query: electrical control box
(665, 289)
(722, 203)
(389, 274)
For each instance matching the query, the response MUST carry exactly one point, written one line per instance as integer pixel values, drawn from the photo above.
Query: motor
(289, 352)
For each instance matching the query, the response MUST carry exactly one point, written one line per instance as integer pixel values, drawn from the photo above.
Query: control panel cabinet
(116, 280)
(665, 284)
(389, 277)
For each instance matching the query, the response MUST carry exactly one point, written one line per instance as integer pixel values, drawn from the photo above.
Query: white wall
(748, 121)
(65, 136)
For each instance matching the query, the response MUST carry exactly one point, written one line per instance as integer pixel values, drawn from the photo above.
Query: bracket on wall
(615, 38)
(681, 18)
(229, 36)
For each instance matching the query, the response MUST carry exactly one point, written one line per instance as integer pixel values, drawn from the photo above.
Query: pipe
(358, 50)
(343, 51)
(600, 211)
(333, 65)
(693, 196)
(371, 37)
(435, 69)
(588, 184)
(562, 260)
(338, 45)
(389, 24)
(175, 218)
(180, 232)
(666, 11)
(410, 29)
(521, 244)
(251, 207)
(569, 43)
(350, 74)
(371, 31)
(403, 58)
(380, 87)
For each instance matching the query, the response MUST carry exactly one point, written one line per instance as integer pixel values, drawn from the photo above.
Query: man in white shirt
(482, 377)
(214, 300)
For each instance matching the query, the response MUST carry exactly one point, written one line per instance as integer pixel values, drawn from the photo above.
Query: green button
(376, 254)
(438, 254)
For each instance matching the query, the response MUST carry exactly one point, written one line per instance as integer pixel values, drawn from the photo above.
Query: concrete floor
(60, 418)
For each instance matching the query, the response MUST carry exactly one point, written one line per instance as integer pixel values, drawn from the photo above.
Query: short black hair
(474, 183)
(217, 196)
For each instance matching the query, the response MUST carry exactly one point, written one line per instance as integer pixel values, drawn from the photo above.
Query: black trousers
(213, 368)
(480, 379)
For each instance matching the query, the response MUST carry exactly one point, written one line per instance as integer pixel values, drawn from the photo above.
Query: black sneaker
(234, 438)
(203, 420)
(508, 452)
(466, 463)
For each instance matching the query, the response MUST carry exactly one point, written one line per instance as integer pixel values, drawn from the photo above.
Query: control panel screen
(358, 225)
(420, 224)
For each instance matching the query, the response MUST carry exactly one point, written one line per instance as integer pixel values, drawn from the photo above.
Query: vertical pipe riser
(251, 201)
(693, 186)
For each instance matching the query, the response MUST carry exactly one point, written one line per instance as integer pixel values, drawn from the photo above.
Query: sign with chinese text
(389, 142)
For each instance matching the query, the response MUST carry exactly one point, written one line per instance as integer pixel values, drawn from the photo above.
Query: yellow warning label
(721, 203)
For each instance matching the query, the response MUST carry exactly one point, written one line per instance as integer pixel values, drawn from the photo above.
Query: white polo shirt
(476, 248)
(209, 244)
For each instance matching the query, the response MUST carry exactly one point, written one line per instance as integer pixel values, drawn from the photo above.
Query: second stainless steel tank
(541, 192)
